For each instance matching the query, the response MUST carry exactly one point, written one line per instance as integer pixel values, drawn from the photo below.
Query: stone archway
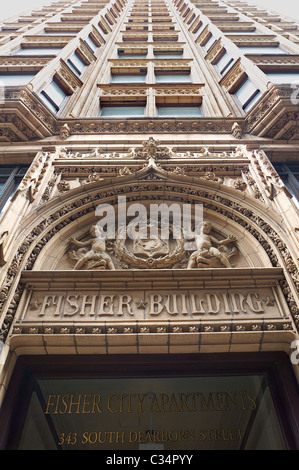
(75, 210)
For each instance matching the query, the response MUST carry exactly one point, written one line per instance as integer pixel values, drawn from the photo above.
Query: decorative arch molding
(72, 206)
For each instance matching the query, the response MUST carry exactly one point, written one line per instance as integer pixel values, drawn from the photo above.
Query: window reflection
(204, 413)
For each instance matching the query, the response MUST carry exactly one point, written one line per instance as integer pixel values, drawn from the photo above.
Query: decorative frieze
(68, 78)
(149, 306)
(149, 126)
(13, 61)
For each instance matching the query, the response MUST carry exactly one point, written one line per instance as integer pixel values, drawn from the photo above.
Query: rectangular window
(77, 405)
(268, 50)
(39, 51)
(289, 173)
(247, 94)
(91, 44)
(56, 32)
(16, 78)
(76, 63)
(168, 54)
(172, 77)
(10, 178)
(283, 77)
(122, 111)
(179, 111)
(131, 55)
(54, 95)
(224, 63)
(128, 78)
(240, 32)
(209, 43)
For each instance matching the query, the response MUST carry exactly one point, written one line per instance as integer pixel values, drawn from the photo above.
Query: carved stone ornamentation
(65, 132)
(237, 130)
(93, 258)
(210, 251)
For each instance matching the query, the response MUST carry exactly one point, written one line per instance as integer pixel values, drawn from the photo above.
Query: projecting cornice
(25, 118)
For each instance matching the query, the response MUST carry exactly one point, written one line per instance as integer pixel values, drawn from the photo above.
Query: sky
(15, 7)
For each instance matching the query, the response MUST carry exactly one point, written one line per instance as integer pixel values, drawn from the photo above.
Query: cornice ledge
(37, 123)
(276, 114)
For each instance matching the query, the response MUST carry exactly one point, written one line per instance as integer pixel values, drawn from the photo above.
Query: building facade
(149, 227)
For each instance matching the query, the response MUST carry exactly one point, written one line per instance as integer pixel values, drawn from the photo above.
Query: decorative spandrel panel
(146, 310)
(150, 247)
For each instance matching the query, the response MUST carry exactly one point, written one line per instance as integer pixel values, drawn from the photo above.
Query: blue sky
(14, 7)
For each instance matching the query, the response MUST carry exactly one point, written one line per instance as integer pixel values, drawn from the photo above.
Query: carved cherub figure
(208, 247)
(95, 256)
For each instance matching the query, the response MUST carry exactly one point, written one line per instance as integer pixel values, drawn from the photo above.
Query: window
(91, 44)
(252, 50)
(10, 178)
(209, 43)
(39, 51)
(168, 54)
(289, 173)
(247, 94)
(57, 32)
(283, 77)
(198, 28)
(173, 77)
(165, 38)
(128, 78)
(240, 31)
(16, 79)
(122, 111)
(131, 55)
(224, 63)
(256, 393)
(76, 63)
(179, 111)
(54, 95)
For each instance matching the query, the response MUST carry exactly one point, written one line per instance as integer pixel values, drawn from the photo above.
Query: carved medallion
(150, 252)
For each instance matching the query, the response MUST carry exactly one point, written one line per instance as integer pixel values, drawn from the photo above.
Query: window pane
(131, 56)
(247, 94)
(254, 99)
(93, 46)
(129, 111)
(173, 111)
(53, 96)
(76, 64)
(263, 50)
(224, 63)
(17, 79)
(245, 91)
(207, 46)
(38, 51)
(234, 412)
(61, 33)
(56, 93)
(168, 55)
